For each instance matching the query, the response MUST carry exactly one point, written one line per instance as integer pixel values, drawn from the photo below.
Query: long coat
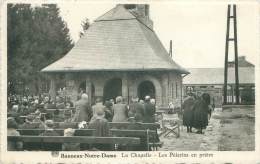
(83, 111)
(96, 108)
(120, 113)
(200, 116)
(136, 110)
(101, 127)
(187, 106)
(149, 113)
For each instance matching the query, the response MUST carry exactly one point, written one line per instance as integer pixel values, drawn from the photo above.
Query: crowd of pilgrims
(24, 112)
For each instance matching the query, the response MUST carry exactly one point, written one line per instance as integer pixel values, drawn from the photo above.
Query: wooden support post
(125, 87)
(52, 90)
(170, 51)
(232, 93)
(236, 55)
(89, 89)
(234, 39)
(226, 57)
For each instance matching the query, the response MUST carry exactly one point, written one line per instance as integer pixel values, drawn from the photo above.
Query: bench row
(116, 125)
(148, 138)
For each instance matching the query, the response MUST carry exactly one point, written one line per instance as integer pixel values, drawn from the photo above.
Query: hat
(152, 101)
(15, 107)
(135, 99)
(11, 123)
(49, 123)
(84, 96)
(69, 132)
(147, 98)
(119, 99)
(30, 117)
(37, 112)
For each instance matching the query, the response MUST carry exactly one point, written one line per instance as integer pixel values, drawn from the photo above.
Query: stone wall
(167, 84)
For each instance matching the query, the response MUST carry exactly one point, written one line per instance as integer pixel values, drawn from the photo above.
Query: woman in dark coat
(200, 116)
(120, 111)
(108, 111)
(187, 106)
(136, 110)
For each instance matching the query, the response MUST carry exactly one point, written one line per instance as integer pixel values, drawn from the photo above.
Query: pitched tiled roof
(116, 41)
(211, 76)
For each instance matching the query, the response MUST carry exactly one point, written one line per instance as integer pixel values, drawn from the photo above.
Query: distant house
(119, 55)
(211, 80)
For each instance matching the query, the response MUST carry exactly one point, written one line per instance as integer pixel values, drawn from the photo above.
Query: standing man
(149, 111)
(83, 109)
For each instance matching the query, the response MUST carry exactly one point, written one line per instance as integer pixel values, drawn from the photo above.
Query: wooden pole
(226, 56)
(236, 55)
(170, 51)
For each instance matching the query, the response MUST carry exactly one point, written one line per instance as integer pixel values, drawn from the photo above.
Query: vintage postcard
(129, 81)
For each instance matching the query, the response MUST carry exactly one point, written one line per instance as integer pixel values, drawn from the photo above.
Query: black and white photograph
(147, 79)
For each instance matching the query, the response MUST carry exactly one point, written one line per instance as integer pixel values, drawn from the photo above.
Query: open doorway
(112, 89)
(146, 88)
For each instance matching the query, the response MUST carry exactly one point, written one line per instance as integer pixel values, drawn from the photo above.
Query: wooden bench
(36, 132)
(148, 137)
(119, 125)
(114, 125)
(141, 126)
(44, 141)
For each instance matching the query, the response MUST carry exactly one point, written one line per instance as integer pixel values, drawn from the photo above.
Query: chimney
(142, 13)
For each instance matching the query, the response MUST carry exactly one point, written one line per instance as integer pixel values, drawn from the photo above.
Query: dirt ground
(228, 130)
(237, 130)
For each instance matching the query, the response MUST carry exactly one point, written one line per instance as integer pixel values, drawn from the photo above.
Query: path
(192, 141)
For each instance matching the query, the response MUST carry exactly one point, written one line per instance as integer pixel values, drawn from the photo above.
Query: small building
(211, 80)
(119, 54)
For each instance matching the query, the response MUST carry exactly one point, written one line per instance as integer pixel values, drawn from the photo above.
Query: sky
(197, 30)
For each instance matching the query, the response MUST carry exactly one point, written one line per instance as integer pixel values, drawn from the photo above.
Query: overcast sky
(197, 30)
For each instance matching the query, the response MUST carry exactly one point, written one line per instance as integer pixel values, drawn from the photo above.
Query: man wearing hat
(136, 110)
(83, 109)
(149, 111)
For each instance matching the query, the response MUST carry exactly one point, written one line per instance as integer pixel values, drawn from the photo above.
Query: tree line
(36, 37)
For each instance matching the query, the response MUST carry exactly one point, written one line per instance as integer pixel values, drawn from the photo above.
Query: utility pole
(234, 40)
(170, 51)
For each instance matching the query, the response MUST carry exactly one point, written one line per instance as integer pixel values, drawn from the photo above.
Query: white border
(33, 157)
